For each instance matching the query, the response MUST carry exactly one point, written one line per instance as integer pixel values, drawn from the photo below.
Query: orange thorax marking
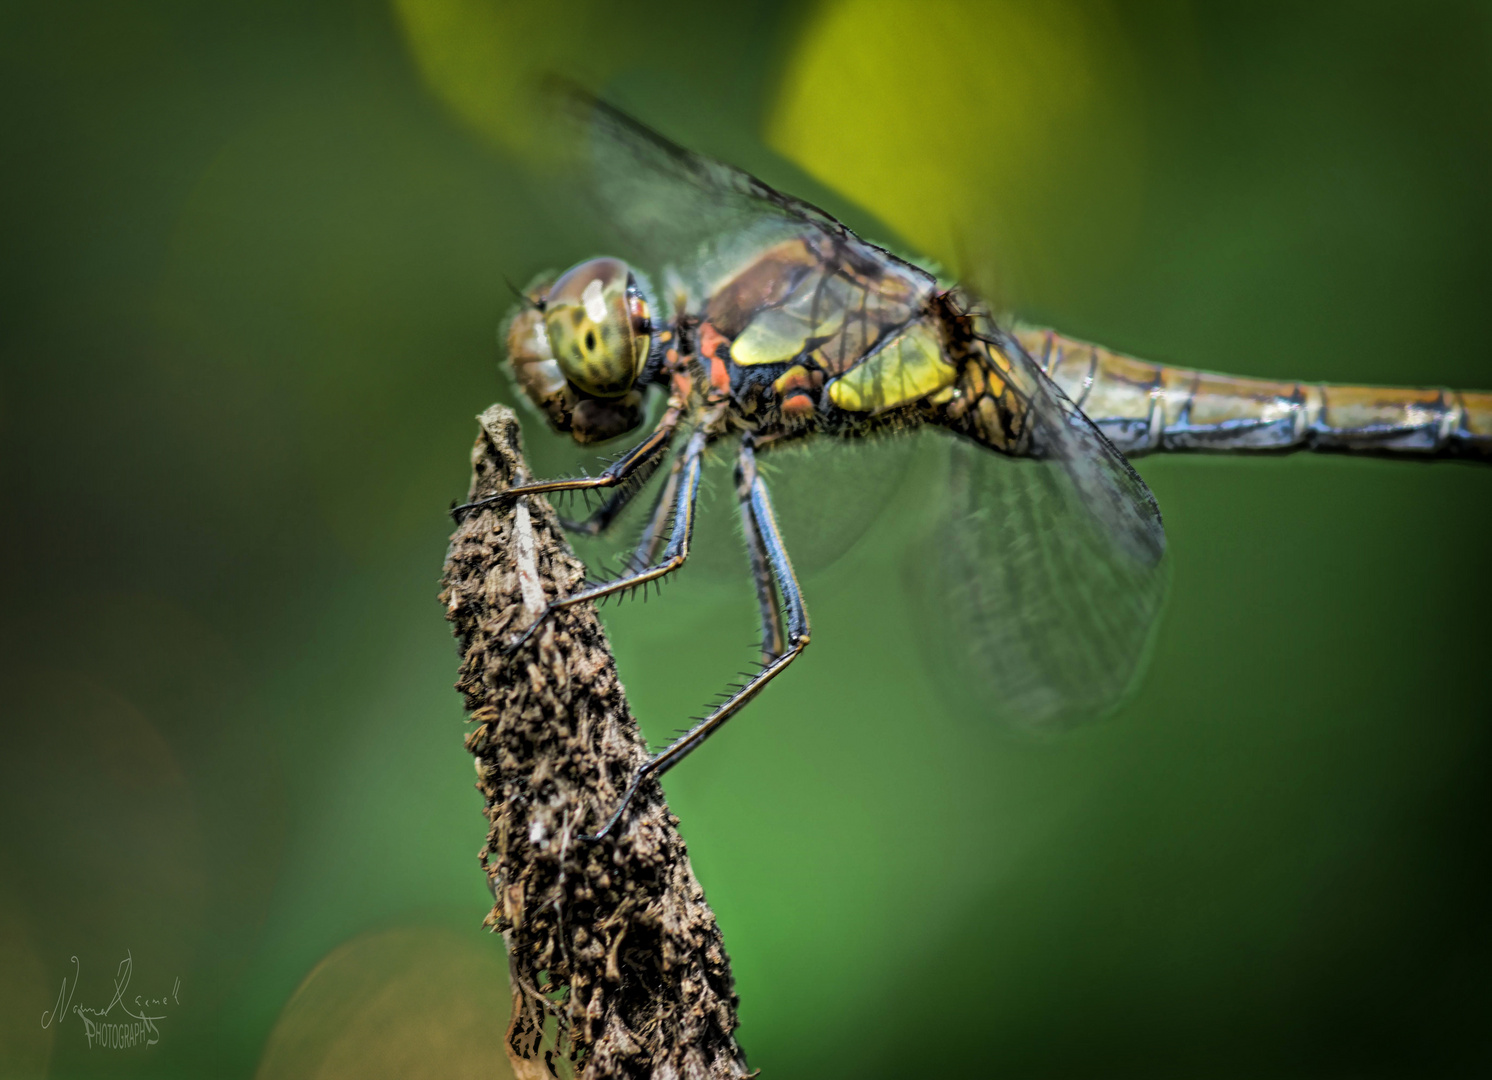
(710, 343)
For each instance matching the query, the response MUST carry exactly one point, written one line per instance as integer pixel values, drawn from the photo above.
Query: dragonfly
(777, 326)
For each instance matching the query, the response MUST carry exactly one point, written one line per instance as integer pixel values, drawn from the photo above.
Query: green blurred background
(254, 259)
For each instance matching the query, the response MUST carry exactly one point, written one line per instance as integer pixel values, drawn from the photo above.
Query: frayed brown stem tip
(618, 967)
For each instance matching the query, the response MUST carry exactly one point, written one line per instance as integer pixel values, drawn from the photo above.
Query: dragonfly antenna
(523, 298)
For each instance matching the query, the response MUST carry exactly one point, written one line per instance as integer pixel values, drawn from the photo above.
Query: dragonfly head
(579, 346)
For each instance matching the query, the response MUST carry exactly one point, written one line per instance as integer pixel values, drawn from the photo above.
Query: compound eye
(598, 327)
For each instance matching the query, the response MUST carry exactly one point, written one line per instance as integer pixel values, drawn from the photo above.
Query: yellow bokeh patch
(973, 128)
(486, 58)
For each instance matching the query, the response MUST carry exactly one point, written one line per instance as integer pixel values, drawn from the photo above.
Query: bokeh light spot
(414, 1001)
(484, 58)
(958, 123)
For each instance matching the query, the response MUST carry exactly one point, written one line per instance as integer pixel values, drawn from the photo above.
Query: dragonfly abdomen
(1147, 408)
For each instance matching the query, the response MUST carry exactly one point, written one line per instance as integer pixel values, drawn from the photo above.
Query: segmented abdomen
(1145, 408)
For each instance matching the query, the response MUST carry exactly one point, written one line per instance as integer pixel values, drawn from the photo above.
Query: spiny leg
(618, 472)
(646, 549)
(599, 520)
(761, 573)
(673, 555)
(755, 502)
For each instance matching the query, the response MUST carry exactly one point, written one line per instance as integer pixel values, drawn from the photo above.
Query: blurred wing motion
(1050, 568)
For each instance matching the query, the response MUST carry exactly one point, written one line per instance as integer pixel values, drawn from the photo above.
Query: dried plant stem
(617, 964)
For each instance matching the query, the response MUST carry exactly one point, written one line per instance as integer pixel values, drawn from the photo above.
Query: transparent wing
(827, 495)
(671, 207)
(1049, 570)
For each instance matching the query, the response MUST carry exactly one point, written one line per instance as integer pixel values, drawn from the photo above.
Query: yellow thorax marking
(907, 367)
(779, 334)
(796, 377)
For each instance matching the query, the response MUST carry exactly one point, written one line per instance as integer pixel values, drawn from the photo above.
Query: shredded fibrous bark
(617, 964)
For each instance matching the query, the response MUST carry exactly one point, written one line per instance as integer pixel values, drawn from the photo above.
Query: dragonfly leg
(625, 468)
(605, 516)
(601, 519)
(646, 551)
(773, 644)
(674, 552)
(761, 530)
